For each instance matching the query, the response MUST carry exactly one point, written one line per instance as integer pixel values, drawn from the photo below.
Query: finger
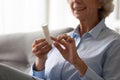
(59, 47)
(36, 52)
(46, 49)
(42, 44)
(37, 41)
(33, 50)
(39, 54)
(64, 43)
(69, 39)
(39, 46)
(53, 38)
(63, 36)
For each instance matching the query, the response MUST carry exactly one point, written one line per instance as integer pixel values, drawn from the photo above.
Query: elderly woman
(90, 52)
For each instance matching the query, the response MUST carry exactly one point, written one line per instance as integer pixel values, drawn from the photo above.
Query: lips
(79, 8)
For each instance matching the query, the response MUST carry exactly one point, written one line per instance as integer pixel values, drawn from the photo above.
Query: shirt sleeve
(37, 74)
(91, 75)
(111, 66)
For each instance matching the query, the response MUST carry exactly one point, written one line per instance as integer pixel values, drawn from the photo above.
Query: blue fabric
(98, 48)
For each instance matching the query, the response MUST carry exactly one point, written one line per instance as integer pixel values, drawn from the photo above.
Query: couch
(15, 49)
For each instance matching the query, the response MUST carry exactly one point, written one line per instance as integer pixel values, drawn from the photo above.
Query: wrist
(39, 64)
(80, 66)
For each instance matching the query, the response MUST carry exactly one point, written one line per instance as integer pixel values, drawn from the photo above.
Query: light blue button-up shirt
(98, 48)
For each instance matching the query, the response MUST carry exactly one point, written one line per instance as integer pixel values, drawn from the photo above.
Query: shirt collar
(93, 32)
(97, 29)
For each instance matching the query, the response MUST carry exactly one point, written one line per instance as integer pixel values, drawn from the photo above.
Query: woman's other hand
(66, 45)
(40, 49)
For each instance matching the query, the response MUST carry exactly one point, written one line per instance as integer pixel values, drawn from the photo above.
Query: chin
(81, 18)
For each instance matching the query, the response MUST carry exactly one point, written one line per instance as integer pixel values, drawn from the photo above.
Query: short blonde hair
(106, 9)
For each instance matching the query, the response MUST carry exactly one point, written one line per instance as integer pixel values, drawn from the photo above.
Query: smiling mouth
(80, 8)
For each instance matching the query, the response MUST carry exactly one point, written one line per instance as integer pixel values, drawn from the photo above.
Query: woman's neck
(87, 25)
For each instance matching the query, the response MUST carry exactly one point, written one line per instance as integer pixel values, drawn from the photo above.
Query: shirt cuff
(39, 74)
(91, 75)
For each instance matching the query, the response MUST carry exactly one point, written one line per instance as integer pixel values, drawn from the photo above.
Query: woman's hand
(40, 49)
(66, 45)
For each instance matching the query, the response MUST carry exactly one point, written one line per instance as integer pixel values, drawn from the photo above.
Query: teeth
(79, 9)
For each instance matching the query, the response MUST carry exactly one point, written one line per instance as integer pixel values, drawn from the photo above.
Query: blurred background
(18, 16)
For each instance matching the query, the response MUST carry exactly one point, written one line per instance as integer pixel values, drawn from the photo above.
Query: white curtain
(28, 15)
(22, 15)
(60, 15)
